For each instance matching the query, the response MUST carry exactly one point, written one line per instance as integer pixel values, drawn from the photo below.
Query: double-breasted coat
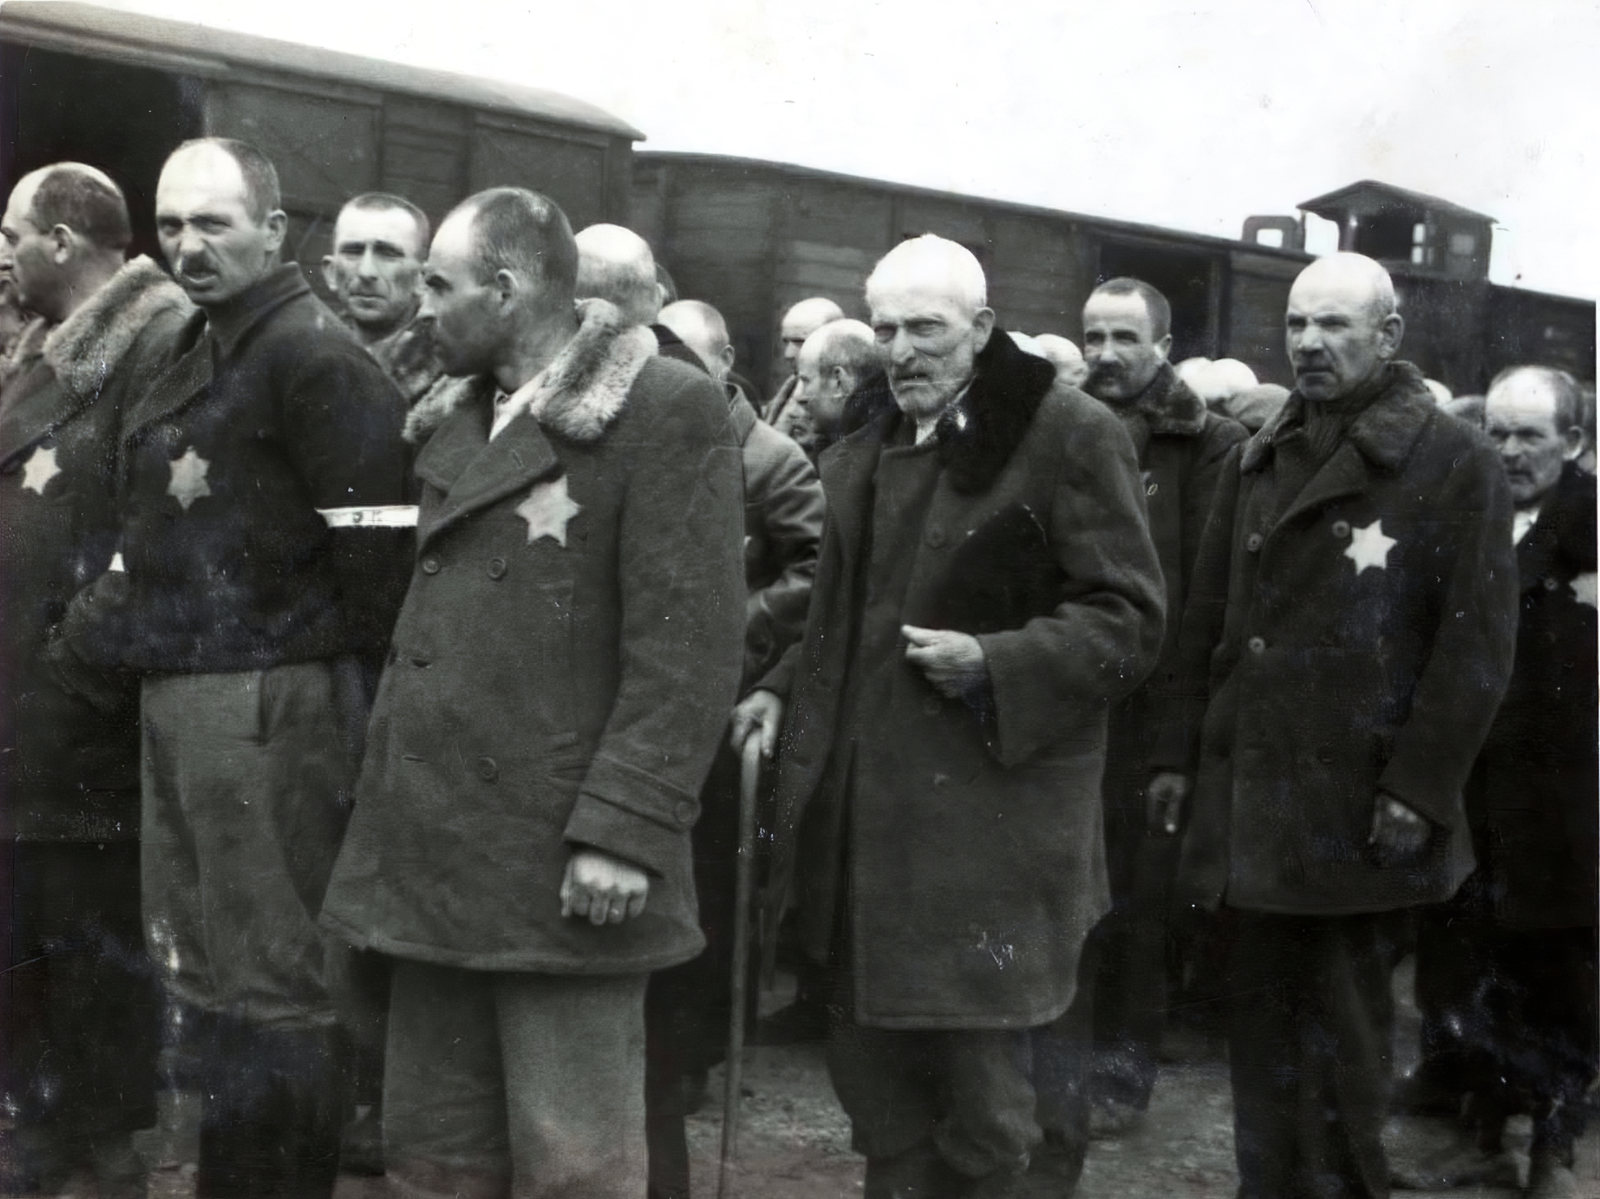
(63, 757)
(961, 843)
(1352, 639)
(561, 673)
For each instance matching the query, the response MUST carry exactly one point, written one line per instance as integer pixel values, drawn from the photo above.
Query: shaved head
(702, 329)
(845, 343)
(1341, 326)
(1064, 355)
(933, 265)
(801, 321)
(616, 264)
(833, 363)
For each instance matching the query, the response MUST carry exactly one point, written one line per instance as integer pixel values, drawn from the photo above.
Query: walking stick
(749, 781)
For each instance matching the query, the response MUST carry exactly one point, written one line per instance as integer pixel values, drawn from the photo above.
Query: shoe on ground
(1110, 1120)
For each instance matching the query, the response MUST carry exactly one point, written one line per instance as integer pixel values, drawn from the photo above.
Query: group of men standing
(1050, 661)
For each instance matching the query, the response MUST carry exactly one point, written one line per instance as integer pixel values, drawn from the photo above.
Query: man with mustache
(986, 586)
(260, 477)
(1348, 634)
(1181, 447)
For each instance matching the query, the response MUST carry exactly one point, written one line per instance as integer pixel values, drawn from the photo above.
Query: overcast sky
(1191, 116)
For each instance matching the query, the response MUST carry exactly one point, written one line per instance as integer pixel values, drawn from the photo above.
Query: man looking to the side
(80, 1025)
(263, 473)
(840, 382)
(561, 674)
(799, 323)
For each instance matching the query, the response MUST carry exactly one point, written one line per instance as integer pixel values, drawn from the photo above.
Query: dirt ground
(794, 1140)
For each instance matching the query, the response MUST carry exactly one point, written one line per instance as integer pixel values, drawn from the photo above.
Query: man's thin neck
(535, 350)
(369, 335)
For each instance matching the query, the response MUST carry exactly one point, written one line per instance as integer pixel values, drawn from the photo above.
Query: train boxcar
(752, 237)
(120, 90)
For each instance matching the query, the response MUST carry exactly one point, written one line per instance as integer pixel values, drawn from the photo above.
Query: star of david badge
(547, 510)
(189, 478)
(1369, 547)
(39, 469)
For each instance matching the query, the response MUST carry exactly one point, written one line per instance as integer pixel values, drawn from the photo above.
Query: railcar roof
(216, 53)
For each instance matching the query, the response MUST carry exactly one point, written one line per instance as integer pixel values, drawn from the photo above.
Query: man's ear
(727, 357)
(982, 327)
(506, 285)
(1575, 441)
(1390, 332)
(842, 378)
(329, 277)
(277, 229)
(62, 240)
(1165, 346)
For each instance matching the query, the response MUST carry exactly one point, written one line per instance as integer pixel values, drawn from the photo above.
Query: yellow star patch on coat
(189, 478)
(39, 469)
(547, 510)
(1369, 547)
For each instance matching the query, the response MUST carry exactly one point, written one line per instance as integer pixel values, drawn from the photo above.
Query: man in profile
(799, 323)
(840, 383)
(560, 677)
(262, 473)
(1349, 632)
(80, 1026)
(986, 587)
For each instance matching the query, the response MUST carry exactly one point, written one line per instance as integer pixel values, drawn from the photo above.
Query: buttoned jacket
(562, 669)
(1353, 639)
(959, 844)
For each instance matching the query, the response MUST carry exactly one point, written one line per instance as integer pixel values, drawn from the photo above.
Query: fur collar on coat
(87, 347)
(1168, 407)
(1384, 432)
(581, 392)
(978, 434)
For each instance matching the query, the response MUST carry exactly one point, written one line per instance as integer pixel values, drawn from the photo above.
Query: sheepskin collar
(979, 432)
(1396, 411)
(1167, 406)
(88, 346)
(581, 392)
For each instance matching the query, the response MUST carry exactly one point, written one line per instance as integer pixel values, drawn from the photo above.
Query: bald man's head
(1342, 326)
(616, 264)
(701, 327)
(801, 321)
(65, 227)
(833, 363)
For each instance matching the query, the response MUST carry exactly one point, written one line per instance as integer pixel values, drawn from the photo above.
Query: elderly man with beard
(561, 675)
(1348, 635)
(80, 1023)
(261, 478)
(1181, 447)
(986, 587)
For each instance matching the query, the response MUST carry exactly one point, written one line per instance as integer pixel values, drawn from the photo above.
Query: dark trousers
(81, 1029)
(688, 1007)
(1310, 1037)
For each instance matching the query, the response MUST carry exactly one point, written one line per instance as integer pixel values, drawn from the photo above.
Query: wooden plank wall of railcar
(1535, 328)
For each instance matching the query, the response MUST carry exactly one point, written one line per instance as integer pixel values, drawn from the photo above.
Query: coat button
(932, 704)
(684, 812)
(1341, 529)
(488, 769)
(497, 568)
(1253, 542)
(1257, 645)
(1325, 754)
(935, 537)
(1550, 584)
(430, 565)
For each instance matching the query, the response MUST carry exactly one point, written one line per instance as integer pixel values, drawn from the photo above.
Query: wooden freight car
(120, 90)
(753, 237)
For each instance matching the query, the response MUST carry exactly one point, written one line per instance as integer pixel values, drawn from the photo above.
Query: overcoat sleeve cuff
(632, 815)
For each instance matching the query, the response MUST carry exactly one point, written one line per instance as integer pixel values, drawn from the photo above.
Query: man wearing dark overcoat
(260, 474)
(1181, 446)
(81, 1026)
(1348, 635)
(1506, 974)
(986, 586)
(560, 677)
